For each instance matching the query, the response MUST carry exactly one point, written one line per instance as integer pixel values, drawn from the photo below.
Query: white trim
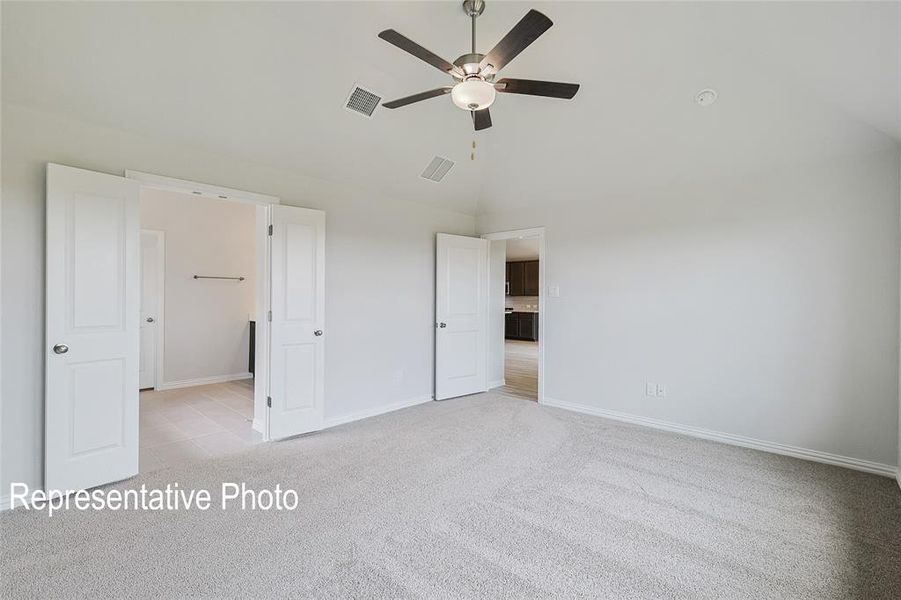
(373, 412)
(534, 232)
(172, 385)
(733, 440)
(4, 503)
(263, 245)
(171, 184)
(498, 383)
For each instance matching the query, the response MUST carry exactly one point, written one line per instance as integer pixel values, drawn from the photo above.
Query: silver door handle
(60, 348)
(150, 319)
(317, 333)
(442, 325)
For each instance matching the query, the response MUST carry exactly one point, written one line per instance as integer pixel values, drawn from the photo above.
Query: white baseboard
(4, 503)
(365, 414)
(498, 383)
(734, 440)
(257, 425)
(172, 385)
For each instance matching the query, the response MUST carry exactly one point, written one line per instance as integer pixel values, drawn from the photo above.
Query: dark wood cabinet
(530, 278)
(522, 278)
(521, 326)
(515, 278)
(511, 327)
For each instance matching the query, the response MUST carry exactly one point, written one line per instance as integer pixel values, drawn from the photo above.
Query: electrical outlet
(661, 390)
(650, 389)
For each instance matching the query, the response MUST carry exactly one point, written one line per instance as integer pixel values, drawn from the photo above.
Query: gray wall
(768, 305)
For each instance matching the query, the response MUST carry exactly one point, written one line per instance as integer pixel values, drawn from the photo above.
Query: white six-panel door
(461, 311)
(297, 333)
(92, 337)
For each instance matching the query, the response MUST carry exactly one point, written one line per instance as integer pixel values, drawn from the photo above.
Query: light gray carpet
(485, 496)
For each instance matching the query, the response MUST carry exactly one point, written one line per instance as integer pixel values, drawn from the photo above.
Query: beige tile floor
(194, 423)
(520, 369)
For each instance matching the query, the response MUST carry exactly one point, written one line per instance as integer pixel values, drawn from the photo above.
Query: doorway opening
(517, 311)
(200, 296)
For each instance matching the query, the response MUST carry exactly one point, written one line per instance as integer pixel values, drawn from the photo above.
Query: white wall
(207, 331)
(379, 259)
(768, 305)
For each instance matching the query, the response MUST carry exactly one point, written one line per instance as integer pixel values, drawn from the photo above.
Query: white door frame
(533, 232)
(160, 302)
(263, 203)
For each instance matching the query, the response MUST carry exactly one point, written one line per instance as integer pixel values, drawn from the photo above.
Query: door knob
(442, 325)
(61, 348)
(317, 333)
(150, 319)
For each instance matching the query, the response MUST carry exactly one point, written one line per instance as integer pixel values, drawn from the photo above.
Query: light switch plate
(661, 390)
(554, 291)
(650, 389)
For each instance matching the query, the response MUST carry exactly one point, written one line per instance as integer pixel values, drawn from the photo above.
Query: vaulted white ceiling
(267, 81)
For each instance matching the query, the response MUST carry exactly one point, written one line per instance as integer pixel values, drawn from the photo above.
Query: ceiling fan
(474, 86)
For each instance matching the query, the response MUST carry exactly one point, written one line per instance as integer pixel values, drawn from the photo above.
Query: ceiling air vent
(362, 101)
(437, 169)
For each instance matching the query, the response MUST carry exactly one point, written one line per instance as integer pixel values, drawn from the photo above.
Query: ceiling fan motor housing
(470, 65)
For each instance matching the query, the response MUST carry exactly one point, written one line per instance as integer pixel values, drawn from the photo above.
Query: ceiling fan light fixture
(473, 94)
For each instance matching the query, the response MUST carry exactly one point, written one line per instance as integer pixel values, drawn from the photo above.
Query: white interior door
(297, 332)
(151, 280)
(461, 312)
(93, 288)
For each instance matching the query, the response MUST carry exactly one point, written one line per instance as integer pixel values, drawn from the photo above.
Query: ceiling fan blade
(417, 97)
(517, 39)
(408, 45)
(551, 89)
(481, 119)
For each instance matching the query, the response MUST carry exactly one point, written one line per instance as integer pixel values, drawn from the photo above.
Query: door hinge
(270, 230)
(269, 401)
(269, 315)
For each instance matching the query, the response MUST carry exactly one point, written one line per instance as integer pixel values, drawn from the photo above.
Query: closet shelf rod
(215, 277)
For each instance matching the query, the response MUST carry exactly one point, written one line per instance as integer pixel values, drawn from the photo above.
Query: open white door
(297, 348)
(461, 312)
(92, 327)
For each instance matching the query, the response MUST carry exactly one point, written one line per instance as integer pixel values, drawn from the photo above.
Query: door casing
(534, 232)
(263, 202)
